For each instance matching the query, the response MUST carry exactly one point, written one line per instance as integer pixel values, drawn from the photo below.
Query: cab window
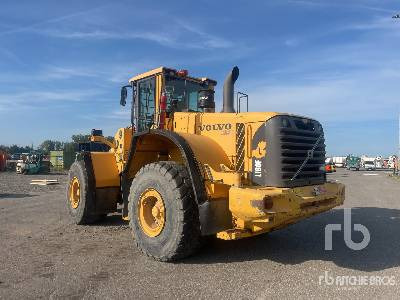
(146, 103)
(182, 94)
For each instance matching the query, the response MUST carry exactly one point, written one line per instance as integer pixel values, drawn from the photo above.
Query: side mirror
(124, 95)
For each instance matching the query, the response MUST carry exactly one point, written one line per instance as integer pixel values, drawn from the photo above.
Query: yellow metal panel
(286, 206)
(122, 140)
(163, 69)
(221, 128)
(101, 139)
(147, 74)
(105, 169)
(206, 150)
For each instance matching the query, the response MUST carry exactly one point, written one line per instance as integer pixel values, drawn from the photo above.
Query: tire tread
(179, 180)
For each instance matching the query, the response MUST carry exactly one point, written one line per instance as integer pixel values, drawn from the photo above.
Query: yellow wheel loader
(182, 171)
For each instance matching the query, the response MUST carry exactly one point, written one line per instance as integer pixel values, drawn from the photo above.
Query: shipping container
(57, 160)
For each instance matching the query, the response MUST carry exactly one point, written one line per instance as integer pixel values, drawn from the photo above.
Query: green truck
(353, 162)
(34, 164)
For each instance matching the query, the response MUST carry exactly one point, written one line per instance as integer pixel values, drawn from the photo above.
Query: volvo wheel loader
(181, 171)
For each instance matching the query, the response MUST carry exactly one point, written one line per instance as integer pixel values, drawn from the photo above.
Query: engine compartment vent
(290, 141)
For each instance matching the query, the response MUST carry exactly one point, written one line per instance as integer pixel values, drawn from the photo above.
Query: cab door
(146, 103)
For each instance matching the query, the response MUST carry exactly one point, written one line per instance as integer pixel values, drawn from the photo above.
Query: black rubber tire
(84, 213)
(181, 235)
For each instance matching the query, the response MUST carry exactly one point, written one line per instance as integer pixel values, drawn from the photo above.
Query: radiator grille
(296, 145)
(290, 140)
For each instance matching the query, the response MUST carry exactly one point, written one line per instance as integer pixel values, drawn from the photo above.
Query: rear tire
(180, 235)
(80, 195)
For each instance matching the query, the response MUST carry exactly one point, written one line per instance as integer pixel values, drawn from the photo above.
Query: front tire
(80, 194)
(164, 216)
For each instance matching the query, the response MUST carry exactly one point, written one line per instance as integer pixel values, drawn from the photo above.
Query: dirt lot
(44, 255)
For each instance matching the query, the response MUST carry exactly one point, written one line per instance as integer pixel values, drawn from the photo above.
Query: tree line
(51, 145)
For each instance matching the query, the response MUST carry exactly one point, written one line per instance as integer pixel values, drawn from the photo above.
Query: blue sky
(62, 62)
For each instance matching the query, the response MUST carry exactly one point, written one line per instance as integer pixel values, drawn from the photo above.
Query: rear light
(182, 73)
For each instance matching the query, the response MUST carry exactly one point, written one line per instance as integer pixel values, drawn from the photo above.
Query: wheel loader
(182, 171)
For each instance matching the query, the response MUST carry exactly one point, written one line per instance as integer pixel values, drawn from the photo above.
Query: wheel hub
(74, 192)
(151, 212)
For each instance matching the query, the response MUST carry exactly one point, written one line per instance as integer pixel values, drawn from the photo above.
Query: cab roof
(162, 70)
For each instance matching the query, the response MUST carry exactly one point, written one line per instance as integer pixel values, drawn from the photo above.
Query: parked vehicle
(34, 164)
(330, 168)
(353, 162)
(368, 163)
(339, 161)
(181, 171)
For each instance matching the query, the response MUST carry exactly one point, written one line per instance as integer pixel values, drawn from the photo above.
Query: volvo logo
(210, 127)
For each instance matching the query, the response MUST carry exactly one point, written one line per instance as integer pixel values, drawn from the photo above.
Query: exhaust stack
(228, 97)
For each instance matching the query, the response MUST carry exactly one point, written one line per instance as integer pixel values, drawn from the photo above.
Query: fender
(105, 196)
(187, 155)
(209, 221)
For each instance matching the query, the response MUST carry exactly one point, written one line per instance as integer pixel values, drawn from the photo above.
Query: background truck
(181, 171)
(353, 162)
(339, 161)
(368, 163)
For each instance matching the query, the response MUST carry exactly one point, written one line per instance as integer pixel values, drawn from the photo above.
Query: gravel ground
(12, 183)
(44, 255)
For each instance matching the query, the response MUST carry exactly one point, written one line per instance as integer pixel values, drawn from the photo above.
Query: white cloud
(355, 80)
(347, 5)
(292, 42)
(360, 96)
(378, 23)
(34, 100)
(180, 37)
(11, 56)
(209, 40)
(64, 72)
(34, 25)
(100, 75)
(161, 38)
(123, 114)
(95, 25)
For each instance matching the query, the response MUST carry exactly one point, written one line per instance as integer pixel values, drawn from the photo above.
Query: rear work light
(182, 73)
